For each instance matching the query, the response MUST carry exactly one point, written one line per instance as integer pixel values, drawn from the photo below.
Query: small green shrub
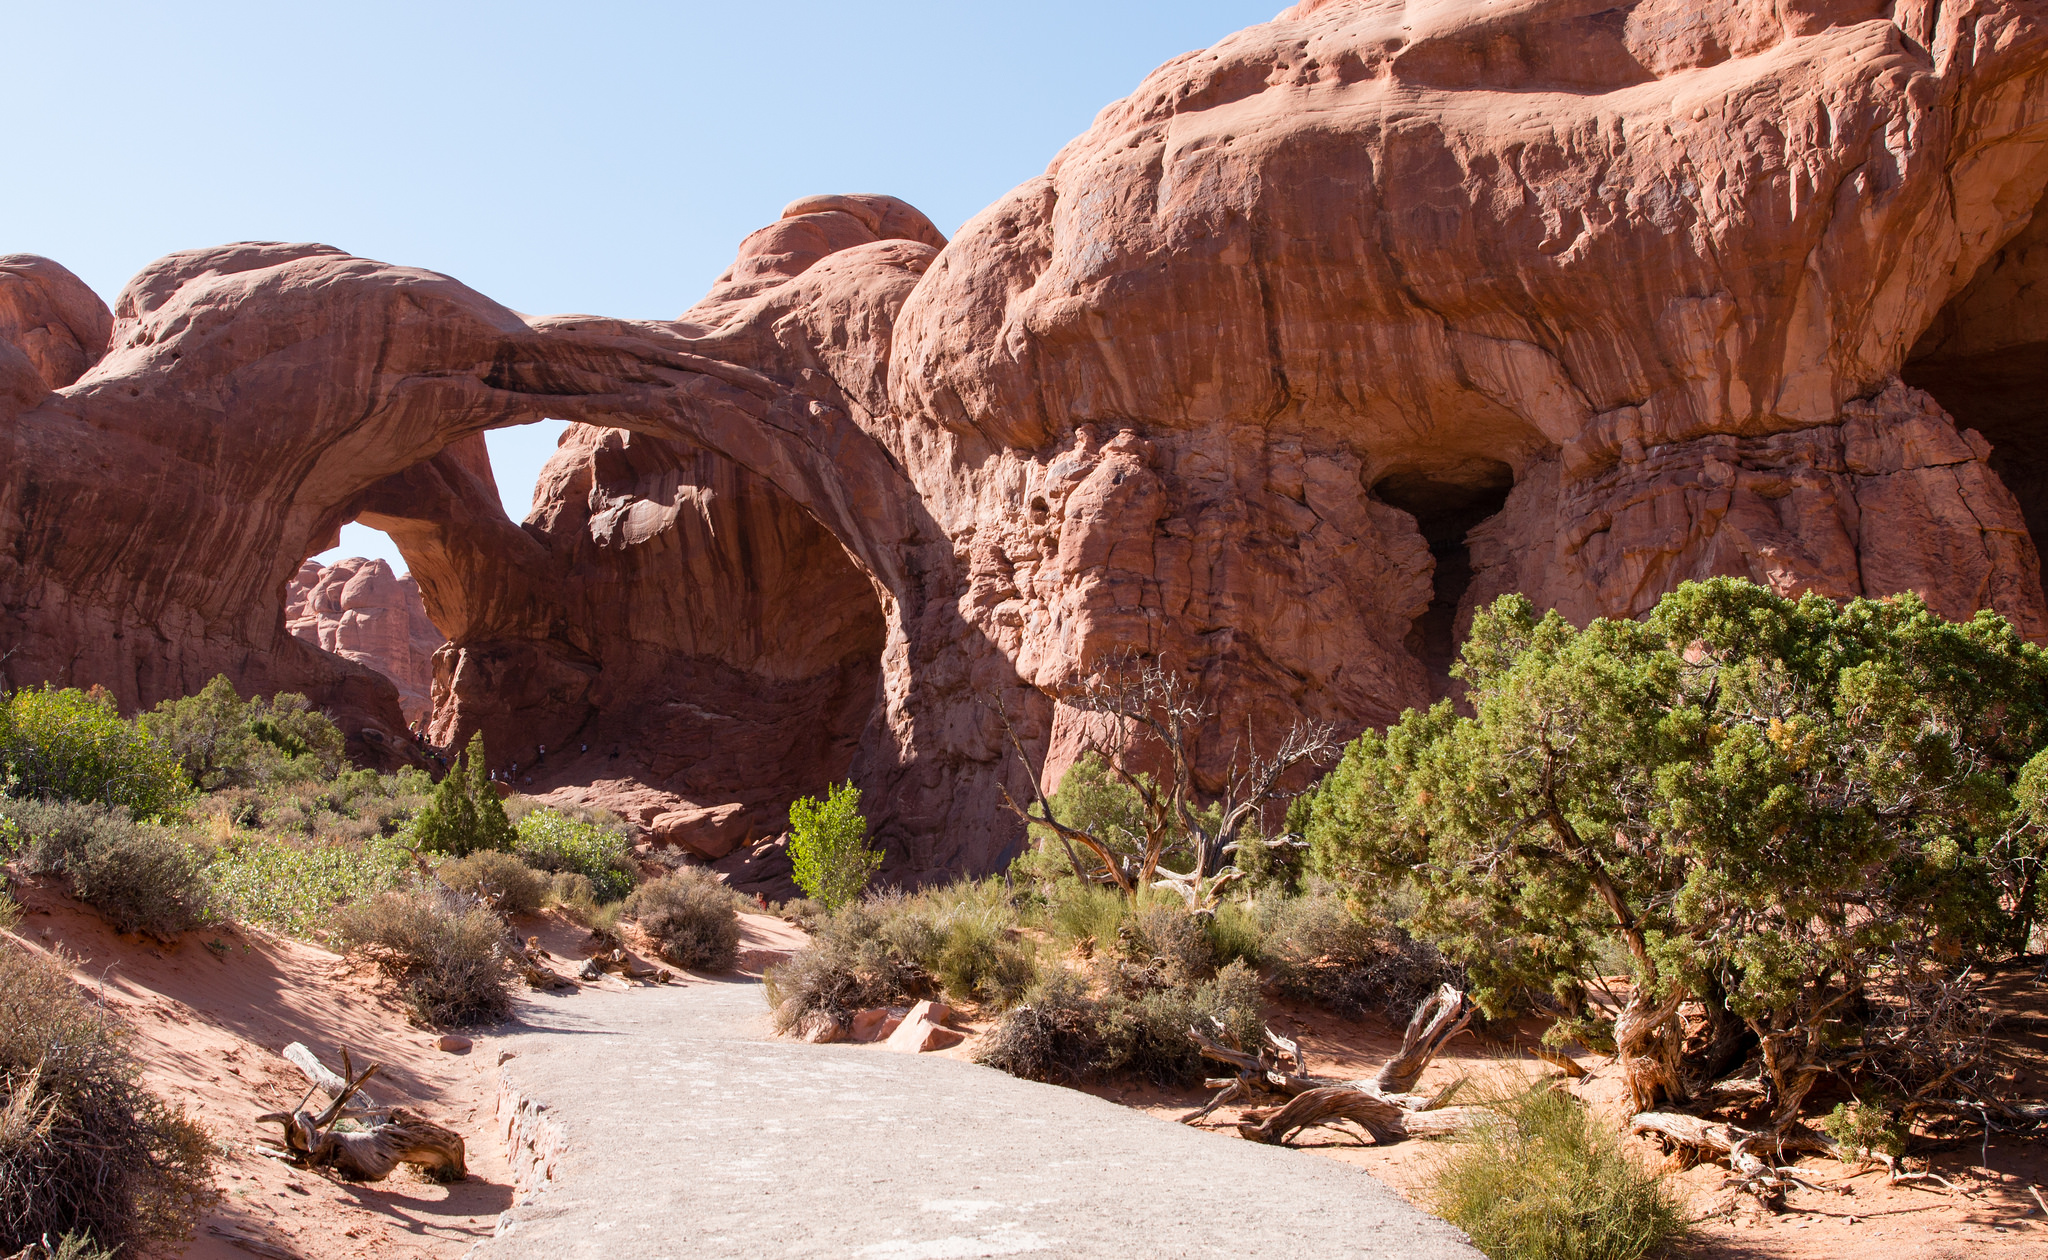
(508, 884)
(142, 878)
(1234, 934)
(980, 964)
(1053, 1034)
(692, 915)
(294, 886)
(464, 815)
(1861, 1128)
(73, 745)
(1078, 911)
(828, 847)
(1548, 1181)
(848, 966)
(550, 840)
(449, 965)
(86, 1153)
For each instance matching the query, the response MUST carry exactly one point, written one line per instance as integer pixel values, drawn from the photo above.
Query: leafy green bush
(141, 877)
(1758, 798)
(449, 965)
(222, 740)
(85, 1150)
(464, 814)
(692, 915)
(508, 884)
(1548, 1181)
(294, 886)
(550, 840)
(828, 847)
(73, 745)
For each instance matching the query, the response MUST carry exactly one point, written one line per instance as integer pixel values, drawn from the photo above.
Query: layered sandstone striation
(361, 610)
(1320, 338)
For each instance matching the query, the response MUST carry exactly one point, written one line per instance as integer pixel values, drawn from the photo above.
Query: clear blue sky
(595, 157)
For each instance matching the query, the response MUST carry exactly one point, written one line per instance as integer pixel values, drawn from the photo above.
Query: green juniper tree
(1778, 807)
(464, 814)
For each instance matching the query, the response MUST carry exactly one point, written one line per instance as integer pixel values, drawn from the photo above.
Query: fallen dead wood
(320, 1074)
(1383, 1107)
(1381, 1116)
(1767, 1180)
(370, 1155)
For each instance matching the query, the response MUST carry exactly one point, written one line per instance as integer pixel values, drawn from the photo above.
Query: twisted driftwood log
(400, 1138)
(1383, 1107)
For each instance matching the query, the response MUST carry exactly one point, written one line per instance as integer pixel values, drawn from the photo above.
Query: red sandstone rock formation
(360, 610)
(1318, 339)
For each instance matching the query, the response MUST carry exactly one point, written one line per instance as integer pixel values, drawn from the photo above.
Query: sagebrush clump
(449, 963)
(500, 880)
(847, 967)
(142, 878)
(85, 1150)
(692, 916)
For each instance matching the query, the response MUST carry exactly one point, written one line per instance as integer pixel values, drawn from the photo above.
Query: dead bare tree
(1148, 703)
(398, 1136)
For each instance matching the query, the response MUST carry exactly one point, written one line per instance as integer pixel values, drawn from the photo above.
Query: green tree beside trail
(1779, 809)
(464, 814)
(828, 847)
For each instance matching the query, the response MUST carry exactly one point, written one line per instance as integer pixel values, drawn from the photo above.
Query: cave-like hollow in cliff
(1985, 360)
(1447, 503)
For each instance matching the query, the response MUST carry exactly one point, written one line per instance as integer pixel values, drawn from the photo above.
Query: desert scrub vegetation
(447, 957)
(1803, 827)
(72, 745)
(85, 1151)
(499, 880)
(1546, 1180)
(589, 843)
(828, 846)
(141, 877)
(692, 917)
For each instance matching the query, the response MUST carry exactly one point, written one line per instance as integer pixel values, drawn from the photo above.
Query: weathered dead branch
(370, 1155)
(1383, 1107)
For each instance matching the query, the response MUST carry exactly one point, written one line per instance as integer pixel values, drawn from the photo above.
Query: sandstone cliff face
(1317, 340)
(361, 611)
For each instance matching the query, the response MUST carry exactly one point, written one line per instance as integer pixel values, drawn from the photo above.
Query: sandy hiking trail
(687, 1131)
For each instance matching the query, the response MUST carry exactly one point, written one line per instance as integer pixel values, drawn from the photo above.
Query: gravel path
(694, 1134)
